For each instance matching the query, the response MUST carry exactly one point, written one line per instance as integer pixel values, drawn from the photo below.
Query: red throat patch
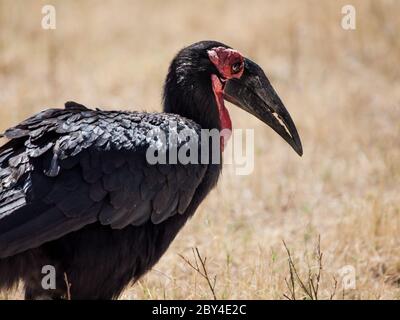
(224, 118)
(230, 64)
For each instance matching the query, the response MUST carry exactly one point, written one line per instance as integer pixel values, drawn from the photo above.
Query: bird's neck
(193, 99)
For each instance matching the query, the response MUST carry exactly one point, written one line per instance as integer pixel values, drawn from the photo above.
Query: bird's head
(213, 67)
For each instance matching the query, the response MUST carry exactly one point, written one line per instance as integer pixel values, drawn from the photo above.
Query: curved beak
(254, 93)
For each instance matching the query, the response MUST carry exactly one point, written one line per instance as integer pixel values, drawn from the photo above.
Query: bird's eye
(236, 67)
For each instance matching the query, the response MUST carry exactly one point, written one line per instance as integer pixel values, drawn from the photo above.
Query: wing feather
(65, 168)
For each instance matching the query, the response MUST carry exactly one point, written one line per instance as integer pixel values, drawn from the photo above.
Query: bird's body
(88, 168)
(77, 191)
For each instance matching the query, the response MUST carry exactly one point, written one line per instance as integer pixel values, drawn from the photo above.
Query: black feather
(76, 191)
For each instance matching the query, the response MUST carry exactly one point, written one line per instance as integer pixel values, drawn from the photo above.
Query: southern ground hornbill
(77, 191)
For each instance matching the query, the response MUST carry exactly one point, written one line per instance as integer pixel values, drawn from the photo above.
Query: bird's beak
(254, 93)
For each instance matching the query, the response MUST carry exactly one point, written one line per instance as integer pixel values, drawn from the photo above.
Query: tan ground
(341, 87)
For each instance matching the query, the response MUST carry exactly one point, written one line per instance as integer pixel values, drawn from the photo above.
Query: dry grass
(342, 88)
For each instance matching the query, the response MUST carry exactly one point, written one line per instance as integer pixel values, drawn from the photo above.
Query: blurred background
(342, 88)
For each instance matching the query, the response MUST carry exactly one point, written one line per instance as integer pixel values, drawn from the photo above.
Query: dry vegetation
(342, 88)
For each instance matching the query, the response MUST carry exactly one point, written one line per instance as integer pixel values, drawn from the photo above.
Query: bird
(78, 193)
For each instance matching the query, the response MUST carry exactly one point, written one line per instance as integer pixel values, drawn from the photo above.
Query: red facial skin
(224, 59)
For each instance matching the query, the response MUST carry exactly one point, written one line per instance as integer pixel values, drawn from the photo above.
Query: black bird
(77, 191)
